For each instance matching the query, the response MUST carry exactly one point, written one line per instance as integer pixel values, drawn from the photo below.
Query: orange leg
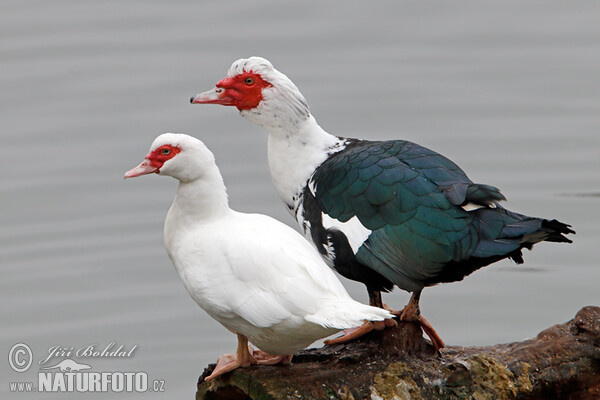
(368, 326)
(244, 357)
(264, 358)
(229, 362)
(354, 333)
(412, 312)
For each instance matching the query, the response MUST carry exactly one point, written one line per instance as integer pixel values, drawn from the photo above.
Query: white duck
(256, 276)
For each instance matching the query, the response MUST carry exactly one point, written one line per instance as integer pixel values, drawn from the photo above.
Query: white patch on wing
(329, 258)
(356, 233)
(311, 186)
(473, 206)
(306, 230)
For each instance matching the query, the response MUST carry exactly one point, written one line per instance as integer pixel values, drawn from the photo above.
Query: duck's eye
(165, 152)
(218, 90)
(249, 81)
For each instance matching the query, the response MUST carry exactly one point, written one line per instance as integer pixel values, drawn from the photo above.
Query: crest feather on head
(258, 65)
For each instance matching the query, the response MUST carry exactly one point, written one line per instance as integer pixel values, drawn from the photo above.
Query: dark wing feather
(410, 198)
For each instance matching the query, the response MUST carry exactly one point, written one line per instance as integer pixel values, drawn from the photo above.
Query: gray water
(508, 90)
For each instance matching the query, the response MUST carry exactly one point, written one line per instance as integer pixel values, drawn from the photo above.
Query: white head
(263, 95)
(178, 155)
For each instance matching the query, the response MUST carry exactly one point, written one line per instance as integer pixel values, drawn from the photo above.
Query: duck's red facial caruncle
(243, 91)
(154, 161)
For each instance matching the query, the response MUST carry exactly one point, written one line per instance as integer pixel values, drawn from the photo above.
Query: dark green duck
(383, 213)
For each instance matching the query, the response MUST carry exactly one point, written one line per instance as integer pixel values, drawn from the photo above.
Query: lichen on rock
(562, 362)
(396, 383)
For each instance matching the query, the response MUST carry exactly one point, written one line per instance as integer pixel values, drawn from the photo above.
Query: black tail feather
(517, 256)
(556, 231)
(550, 230)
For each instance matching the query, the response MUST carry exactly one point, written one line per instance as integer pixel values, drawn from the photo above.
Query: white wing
(279, 275)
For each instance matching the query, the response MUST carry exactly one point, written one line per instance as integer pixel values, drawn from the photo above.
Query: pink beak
(213, 97)
(143, 169)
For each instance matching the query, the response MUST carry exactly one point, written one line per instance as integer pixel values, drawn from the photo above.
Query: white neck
(198, 201)
(295, 150)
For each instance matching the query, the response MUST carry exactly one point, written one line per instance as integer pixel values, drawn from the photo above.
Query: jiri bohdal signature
(92, 351)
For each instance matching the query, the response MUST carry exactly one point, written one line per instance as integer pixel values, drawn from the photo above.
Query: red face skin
(243, 91)
(154, 161)
(161, 155)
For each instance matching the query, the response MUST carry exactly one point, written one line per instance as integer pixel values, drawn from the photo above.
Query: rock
(562, 362)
